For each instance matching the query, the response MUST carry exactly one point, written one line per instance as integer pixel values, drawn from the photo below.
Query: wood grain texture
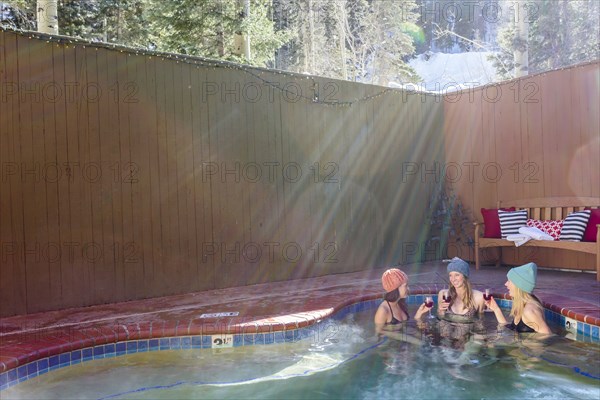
(546, 139)
(179, 177)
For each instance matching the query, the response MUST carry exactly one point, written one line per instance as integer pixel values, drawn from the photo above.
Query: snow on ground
(448, 72)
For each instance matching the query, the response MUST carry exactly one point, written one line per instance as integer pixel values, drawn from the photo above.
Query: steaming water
(345, 361)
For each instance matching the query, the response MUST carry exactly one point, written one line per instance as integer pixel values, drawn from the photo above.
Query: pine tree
(360, 40)
(122, 21)
(118, 21)
(208, 28)
(79, 19)
(308, 50)
(378, 42)
(265, 38)
(445, 22)
(585, 31)
(561, 33)
(17, 15)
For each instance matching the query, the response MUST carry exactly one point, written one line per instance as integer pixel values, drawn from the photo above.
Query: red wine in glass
(487, 296)
(446, 298)
(429, 305)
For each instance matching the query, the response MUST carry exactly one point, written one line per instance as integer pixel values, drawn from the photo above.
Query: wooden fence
(538, 136)
(128, 175)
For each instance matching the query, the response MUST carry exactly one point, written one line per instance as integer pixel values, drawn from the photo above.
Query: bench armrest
(478, 226)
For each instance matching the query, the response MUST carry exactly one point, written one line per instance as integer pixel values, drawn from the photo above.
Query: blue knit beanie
(524, 276)
(459, 265)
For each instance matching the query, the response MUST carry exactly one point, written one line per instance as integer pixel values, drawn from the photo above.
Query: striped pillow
(574, 226)
(511, 221)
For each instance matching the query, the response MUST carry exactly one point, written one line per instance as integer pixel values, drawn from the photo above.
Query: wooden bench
(550, 208)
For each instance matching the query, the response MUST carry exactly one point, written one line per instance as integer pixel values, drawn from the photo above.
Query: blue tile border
(53, 362)
(132, 346)
(87, 353)
(148, 345)
(197, 342)
(318, 332)
(121, 348)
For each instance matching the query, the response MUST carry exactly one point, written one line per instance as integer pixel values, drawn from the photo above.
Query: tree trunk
(311, 39)
(521, 49)
(342, 34)
(220, 34)
(247, 53)
(47, 16)
(118, 23)
(105, 30)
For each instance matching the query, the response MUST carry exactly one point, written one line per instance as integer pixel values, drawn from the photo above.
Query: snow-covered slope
(448, 72)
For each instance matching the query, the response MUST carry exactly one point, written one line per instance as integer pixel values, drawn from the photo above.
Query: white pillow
(574, 226)
(511, 221)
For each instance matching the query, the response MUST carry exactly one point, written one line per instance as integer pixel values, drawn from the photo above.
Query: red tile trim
(41, 344)
(9, 363)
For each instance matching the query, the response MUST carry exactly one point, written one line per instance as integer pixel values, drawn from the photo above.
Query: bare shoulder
(531, 310)
(478, 296)
(383, 307)
(533, 316)
(381, 315)
(478, 299)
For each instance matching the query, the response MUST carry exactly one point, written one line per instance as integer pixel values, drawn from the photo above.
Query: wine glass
(446, 296)
(487, 297)
(429, 305)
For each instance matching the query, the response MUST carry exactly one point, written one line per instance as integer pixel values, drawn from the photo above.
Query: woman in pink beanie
(392, 309)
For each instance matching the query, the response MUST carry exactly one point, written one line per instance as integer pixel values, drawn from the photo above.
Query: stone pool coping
(235, 337)
(263, 308)
(19, 349)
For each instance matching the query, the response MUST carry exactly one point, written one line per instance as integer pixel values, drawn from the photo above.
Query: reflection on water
(433, 359)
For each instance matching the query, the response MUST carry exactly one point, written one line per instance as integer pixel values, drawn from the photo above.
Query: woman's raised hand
(492, 305)
(421, 310)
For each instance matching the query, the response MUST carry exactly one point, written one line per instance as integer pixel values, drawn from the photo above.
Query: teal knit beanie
(459, 265)
(524, 276)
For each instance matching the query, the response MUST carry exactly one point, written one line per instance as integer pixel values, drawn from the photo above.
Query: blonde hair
(521, 298)
(467, 299)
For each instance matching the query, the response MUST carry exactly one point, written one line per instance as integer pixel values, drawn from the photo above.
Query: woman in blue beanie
(463, 300)
(527, 309)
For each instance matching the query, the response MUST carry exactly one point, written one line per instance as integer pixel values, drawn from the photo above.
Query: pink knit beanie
(392, 279)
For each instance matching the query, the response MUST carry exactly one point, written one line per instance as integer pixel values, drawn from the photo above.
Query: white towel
(519, 239)
(535, 233)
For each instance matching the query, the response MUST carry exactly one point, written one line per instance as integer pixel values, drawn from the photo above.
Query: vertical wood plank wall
(125, 176)
(538, 136)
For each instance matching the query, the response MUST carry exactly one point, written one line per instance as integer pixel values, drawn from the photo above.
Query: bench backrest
(554, 208)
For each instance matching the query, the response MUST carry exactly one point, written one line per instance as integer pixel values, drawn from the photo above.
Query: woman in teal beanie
(527, 309)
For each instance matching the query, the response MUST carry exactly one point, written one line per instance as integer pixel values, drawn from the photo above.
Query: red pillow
(547, 226)
(492, 222)
(590, 231)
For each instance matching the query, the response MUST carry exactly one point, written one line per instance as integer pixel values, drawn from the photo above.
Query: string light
(256, 72)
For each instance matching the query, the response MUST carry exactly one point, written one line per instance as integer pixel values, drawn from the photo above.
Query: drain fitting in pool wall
(221, 341)
(571, 325)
